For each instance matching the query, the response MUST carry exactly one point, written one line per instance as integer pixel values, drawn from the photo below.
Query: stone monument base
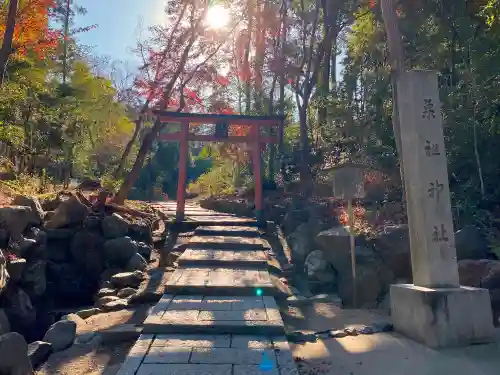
(446, 317)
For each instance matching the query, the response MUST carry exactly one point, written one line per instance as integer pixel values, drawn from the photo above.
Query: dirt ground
(379, 354)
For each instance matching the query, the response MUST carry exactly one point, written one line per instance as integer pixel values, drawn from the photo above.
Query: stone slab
(221, 220)
(185, 369)
(228, 230)
(210, 354)
(228, 242)
(224, 258)
(220, 281)
(445, 317)
(193, 341)
(136, 355)
(234, 356)
(220, 315)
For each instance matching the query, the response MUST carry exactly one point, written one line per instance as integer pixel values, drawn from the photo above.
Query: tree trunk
(282, 82)
(246, 62)
(389, 15)
(66, 36)
(128, 148)
(305, 176)
(8, 37)
(131, 177)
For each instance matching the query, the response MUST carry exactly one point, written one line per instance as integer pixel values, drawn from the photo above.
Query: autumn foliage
(32, 31)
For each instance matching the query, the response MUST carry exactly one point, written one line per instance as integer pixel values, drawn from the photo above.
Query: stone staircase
(219, 315)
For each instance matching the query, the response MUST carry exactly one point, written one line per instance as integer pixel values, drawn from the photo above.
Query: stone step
(220, 282)
(221, 220)
(219, 230)
(223, 258)
(215, 315)
(188, 354)
(228, 242)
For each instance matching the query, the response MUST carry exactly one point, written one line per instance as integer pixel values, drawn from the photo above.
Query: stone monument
(435, 310)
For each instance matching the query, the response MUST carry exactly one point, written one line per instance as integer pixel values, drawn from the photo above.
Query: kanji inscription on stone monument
(435, 189)
(431, 149)
(426, 180)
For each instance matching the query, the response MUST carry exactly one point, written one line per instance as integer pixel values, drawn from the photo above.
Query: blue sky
(117, 26)
(117, 22)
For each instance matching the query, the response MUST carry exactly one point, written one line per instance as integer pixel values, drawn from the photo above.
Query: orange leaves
(32, 31)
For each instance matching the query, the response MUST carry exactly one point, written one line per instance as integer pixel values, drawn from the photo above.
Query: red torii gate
(222, 124)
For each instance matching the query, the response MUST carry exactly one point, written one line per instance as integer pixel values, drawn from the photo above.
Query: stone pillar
(434, 310)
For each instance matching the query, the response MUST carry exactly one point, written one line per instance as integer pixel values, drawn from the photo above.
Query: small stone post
(435, 309)
(348, 184)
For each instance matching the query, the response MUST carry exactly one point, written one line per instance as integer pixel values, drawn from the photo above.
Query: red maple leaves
(33, 31)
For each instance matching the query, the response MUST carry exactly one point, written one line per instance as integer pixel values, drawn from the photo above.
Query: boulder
(58, 250)
(74, 318)
(327, 277)
(393, 246)
(336, 248)
(106, 292)
(21, 246)
(293, 219)
(315, 262)
(86, 338)
(69, 212)
(471, 244)
(60, 234)
(38, 235)
(92, 223)
(19, 309)
(136, 263)
(34, 278)
(114, 226)
(128, 279)
(15, 219)
(15, 267)
(14, 355)
(87, 313)
(50, 205)
(4, 322)
(33, 203)
(61, 335)
(86, 249)
(119, 251)
(372, 280)
(4, 274)
(104, 300)
(483, 273)
(472, 272)
(39, 352)
(49, 215)
(145, 250)
(301, 243)
(115, 305)
(141, 231)
(126, 292)
(332, 239)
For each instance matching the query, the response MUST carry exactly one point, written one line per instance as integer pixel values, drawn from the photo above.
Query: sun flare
(218, 17)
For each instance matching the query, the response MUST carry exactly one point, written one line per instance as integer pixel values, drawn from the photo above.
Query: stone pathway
(218, 316)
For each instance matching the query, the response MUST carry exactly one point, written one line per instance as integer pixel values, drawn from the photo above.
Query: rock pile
(61, 258)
